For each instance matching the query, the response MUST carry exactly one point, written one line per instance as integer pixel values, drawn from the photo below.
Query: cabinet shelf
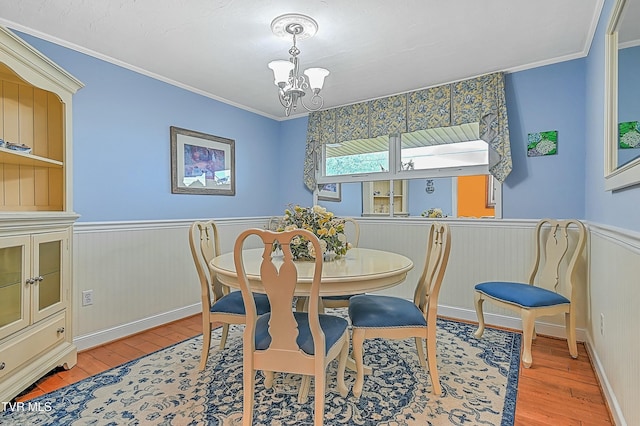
(10, 282)
(9, 156)
(380, 197)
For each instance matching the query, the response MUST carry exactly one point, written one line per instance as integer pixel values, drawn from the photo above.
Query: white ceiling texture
(373, 48)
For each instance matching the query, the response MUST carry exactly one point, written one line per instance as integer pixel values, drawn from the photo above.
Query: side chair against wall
(374, 316)
(352, 230)
(219, 305)
(285, 340)
(548, 291)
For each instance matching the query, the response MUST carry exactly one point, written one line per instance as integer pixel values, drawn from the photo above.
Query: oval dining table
(361, 270)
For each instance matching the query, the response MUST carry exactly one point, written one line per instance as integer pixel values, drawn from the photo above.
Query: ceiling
(373, 48)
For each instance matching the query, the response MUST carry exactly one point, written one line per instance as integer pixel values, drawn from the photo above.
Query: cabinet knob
(60, 330)
(30, 280)
(39, 278)
(2, 364)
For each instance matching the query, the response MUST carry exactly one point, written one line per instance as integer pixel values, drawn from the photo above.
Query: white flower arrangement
(328, 228)
(433, 212)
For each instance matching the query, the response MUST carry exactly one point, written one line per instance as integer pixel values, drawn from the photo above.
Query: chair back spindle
(204, 245)
(437, 257)
(551, 268)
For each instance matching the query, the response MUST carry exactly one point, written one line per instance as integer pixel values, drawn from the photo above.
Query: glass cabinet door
(14, 291)
(48, 271)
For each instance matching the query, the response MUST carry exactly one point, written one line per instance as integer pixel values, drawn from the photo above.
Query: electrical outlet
(602, 324)
(87, 297)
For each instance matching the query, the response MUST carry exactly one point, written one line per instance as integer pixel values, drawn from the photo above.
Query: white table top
(361, 270)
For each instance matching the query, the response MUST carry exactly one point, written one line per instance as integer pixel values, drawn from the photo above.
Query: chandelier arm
(285, 100)
(316, 102)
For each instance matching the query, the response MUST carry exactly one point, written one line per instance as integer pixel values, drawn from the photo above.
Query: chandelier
(291, 85)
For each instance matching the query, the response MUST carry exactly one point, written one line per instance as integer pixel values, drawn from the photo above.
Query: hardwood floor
(557, 390)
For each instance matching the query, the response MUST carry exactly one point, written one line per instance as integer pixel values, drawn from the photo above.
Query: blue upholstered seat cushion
(331, 325)
(384, 311)
(232, 304)
(524, 295)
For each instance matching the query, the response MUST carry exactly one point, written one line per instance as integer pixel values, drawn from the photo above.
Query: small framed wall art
(329, 192)
(629, 134)
(542, 143)
(202, 163)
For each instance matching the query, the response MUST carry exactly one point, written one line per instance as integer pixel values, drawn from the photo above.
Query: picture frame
(329, 192)
(201, 163)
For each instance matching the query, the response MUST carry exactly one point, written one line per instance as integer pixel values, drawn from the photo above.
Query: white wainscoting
(142, 276)
(615, 294)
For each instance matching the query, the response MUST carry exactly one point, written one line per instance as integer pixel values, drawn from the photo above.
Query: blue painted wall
(122, 157)
(541, 99)
(289, 165)
(617, 208)
(121, 145)
(420, 200)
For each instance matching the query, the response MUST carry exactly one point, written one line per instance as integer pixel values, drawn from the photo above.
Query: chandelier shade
(281, 71)
(316, 77)
(286, 74)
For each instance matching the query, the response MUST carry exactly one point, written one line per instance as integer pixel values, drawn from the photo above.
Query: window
(439, 152)
(360, 156)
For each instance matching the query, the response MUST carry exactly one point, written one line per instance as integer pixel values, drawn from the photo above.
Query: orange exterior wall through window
(472, 197)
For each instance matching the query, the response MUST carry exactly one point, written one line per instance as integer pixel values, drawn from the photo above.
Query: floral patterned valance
(478, 100)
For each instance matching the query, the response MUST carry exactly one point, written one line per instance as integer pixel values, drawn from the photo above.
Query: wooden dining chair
(285, 340)
(352, 230)
(548, 291)
(219, 305)
(376, 316)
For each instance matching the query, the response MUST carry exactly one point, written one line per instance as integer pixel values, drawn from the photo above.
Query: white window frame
(395, 172)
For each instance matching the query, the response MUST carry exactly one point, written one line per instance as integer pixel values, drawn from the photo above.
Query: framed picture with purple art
(202, 163)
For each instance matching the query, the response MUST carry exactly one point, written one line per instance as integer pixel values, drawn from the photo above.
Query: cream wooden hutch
(36, 216)
(380, 198)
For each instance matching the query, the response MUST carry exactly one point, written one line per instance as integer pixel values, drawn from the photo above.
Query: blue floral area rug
(479, 379)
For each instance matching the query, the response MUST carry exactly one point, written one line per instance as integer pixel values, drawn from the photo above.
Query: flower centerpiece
(328, 228)
(433, 212)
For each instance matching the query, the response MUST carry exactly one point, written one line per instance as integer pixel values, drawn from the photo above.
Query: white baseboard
(105, 336)
(612, 401)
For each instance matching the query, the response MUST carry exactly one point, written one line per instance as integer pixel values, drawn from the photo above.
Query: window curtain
(478, 100)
